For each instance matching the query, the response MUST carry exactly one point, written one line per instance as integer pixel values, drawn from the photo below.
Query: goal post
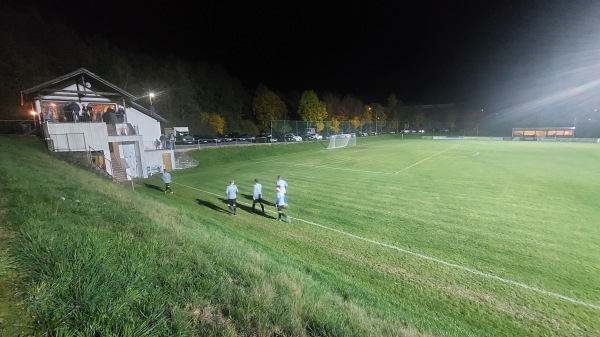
(342, 140)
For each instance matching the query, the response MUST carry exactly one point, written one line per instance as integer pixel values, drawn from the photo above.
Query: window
(60, 112)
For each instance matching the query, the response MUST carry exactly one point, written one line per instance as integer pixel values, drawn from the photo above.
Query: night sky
(425, 52)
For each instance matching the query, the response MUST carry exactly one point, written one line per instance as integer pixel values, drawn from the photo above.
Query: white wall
(154, 158)
(147, 126)
(78, 136)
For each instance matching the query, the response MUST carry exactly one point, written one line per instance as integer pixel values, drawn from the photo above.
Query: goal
(342, 140)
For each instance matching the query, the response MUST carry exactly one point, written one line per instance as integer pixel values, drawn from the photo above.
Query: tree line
(200, 95)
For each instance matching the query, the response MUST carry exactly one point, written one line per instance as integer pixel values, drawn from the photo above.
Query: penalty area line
(433, 155)
(425, 257)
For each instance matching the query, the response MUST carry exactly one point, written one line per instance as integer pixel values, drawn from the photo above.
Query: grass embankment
(97, 259)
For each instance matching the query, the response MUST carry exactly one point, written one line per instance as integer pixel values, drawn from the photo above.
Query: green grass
(395, 237)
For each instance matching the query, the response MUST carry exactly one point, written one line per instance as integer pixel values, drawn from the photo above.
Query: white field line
(369, 147)
(433, 155)
(425, 257)
(326, 166)
(467, 156)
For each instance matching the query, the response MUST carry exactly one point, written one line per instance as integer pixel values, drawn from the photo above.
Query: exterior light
(33, 115)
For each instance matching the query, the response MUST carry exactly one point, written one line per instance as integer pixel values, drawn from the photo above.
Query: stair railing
(106, 160)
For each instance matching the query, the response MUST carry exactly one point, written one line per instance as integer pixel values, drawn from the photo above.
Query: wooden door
(167, 164)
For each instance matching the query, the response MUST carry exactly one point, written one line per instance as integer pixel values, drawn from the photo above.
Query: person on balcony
(163, 141)
(73, 110)
(121, 115)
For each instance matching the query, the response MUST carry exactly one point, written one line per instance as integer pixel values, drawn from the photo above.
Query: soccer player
(281, 204)
(283, 185)
(166, 178)
(231, 192)
(257, 196)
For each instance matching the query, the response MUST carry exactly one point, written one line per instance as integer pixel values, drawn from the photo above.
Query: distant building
(545, 132)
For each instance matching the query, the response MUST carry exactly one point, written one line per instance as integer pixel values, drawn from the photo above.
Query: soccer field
(458, 236)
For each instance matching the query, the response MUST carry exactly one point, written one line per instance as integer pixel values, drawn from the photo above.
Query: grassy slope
(124, 263)
(106, 260)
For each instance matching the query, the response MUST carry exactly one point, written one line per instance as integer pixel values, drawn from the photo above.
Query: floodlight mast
(151, 94)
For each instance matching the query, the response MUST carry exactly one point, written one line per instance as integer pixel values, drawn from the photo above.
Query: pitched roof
(101, 86)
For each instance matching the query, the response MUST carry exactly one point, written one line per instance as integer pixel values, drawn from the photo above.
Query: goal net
(342, 140)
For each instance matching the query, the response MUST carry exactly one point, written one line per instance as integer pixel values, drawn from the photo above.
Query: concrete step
(184, 161)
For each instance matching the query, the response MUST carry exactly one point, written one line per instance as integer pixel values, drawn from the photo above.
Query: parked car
(207, 139)
(315, 136)
(292, 137)
(201, 139)
(264, 138)
(234, 137)
(226, 138)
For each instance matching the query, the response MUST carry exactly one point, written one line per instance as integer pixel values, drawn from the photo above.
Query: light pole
(376, 118)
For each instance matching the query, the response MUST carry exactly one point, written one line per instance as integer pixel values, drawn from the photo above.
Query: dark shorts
(231, 201)
(280, 208)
